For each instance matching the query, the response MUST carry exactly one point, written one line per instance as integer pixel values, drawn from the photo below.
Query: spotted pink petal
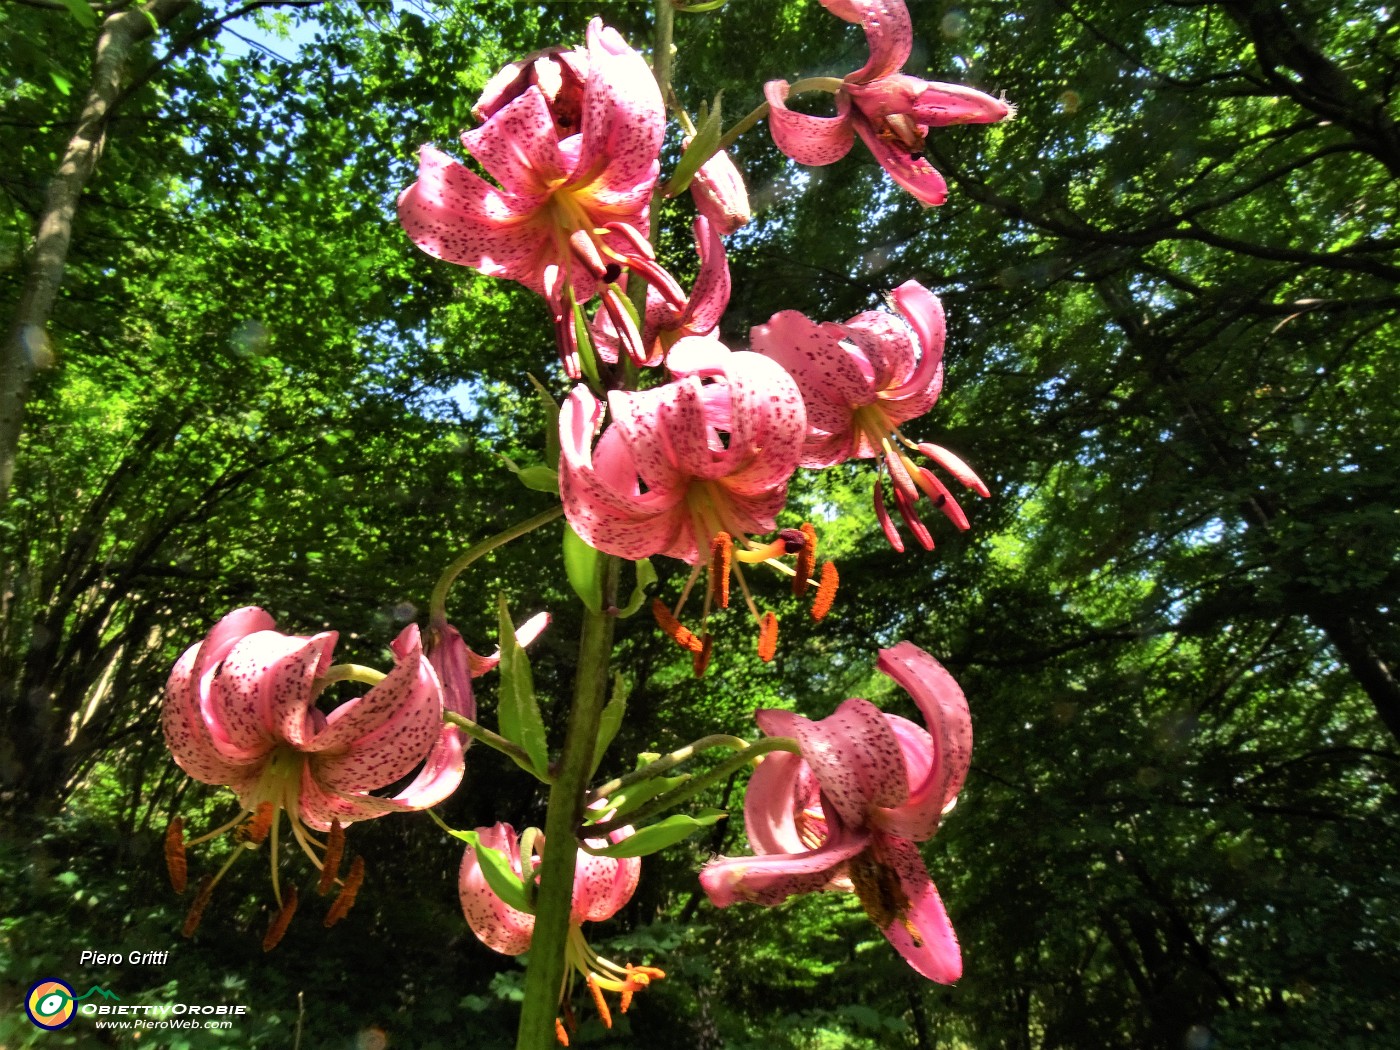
(709, 297)
(949, 721)
(774, 878)
(382, 736)
(910, 170)
(525, 635)
(924, 312)
(518, 147)
(455, 215)
(929, 104)
(623, 116)
(806, 138)
(603, 885)
(854, 753)
(780, 788)
(888, 31)
(830, 380)
(495, 923)
(935, 953)
(263, 692)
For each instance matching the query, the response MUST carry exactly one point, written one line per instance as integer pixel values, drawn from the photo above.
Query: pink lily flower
(665, 322)
(845, 815)
(860, 381)
(457, 664)
(240, 710)
(891, 111)
(602, 886)
(573, 140)
(714, 449)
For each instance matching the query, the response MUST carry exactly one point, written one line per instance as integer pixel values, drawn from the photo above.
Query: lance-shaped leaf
(584, 567)
(610, 721)
(646, 576)
(518, 712)
(496, 869)
(701, 148)
(658, 836)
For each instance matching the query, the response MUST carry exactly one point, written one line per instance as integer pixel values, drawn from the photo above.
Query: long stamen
(346, 899)
(242, 816)
(254, 833)
(599, 1003)
(689, 586)
(701, 661)
(175, 855)
(335, 846)
(721, 553)
(201, 901)
(748, 595)
(277, 929)
(559, 1033)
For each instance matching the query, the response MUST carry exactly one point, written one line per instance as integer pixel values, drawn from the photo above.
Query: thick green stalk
(545, 976)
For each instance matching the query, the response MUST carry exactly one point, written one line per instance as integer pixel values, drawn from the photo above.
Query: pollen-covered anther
(175, 855)
(721, 554)
(700, 661)
(585, 250)
(254, 833)
(673, 628)
(826, 590)
(559, 1033)
(345, 900)
(767, 636)
(277, 928)
(201, 901)
(806, 560)
(330, 864)
(599, 1003)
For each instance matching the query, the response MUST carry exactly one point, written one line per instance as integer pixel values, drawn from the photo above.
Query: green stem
(490, 739)
(437, 605)
(693, 787)
(554, 899)
(668, 762)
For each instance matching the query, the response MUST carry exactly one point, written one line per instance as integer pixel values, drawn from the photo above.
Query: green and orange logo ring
(50, 1004)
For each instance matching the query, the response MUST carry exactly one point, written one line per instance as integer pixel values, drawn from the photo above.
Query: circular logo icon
(50, 1004)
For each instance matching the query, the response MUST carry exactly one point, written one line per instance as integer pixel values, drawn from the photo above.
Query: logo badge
(50, 1004)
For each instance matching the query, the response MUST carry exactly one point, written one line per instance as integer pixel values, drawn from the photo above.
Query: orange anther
(278, 927)
(721, 554)
(196, 912)
(345, 900)
(175, 855)
(255, 831)
(330, 865)
(767, 637)
(806, 560)
(673, 628)
(559, 1032)
(826, 590)
(599, 1003)
(701, 660)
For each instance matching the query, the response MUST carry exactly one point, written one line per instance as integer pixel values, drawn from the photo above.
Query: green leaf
(64, 85)
(551, 424)
(588, 360)
(658, 836)
(518, 712)
(584, 566)
(629, 798)
(496, 869)
(701, 148)
(646, 576)
(536, 476)
(83, 13)
(610, 721)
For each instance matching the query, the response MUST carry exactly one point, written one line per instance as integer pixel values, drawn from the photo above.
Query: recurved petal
(455, 215)
(767, 421)
(910, 170)
(888, 31)
(377, 738)
(318, 807)
(519, 147)
(602, 885)
(923, 934)
(665, 430)
(525, 635)
(949, 722)
(806, 138)
(262, 696)
(774, 878)
(188, 734)
(781, 788)
(709, 297)
(495, 923)
(623, 115)
(854, 754)
(924, 312)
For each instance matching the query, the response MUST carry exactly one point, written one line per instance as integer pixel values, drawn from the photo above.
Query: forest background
(1171, 288)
